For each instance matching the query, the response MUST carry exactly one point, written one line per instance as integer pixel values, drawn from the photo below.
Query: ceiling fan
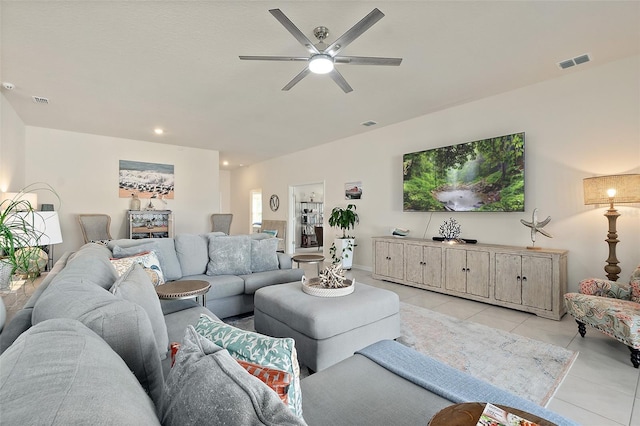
(323, 57)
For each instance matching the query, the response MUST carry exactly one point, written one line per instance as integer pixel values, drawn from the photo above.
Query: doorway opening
(306, 211)
(256, 210)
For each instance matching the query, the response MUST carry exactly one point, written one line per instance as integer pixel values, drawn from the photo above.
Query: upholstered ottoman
(327, 330)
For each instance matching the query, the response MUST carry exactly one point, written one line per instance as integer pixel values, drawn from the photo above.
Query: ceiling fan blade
(286, 22)
(356, 31)
(274, 58)
(297, 78)
(366, 60)
(340, 81)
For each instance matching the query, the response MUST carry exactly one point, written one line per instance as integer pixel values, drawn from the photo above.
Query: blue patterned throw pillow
(278, 353)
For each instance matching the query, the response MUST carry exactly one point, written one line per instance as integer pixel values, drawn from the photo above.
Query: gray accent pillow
(238, 398)
(193, 253)
(124, 325)
(264, 255)
(163, 247)
(229, 255)
(60, 372)
(136, 286)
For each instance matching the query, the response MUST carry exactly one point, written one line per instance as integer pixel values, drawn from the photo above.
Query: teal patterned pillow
(257, 348)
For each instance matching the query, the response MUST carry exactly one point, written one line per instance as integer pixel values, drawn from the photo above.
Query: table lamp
(610, 189)
(45, 232)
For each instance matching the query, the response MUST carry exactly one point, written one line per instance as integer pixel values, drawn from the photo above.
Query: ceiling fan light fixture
(321, 64)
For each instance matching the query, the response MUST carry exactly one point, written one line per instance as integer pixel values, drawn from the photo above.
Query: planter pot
(345, 246)
(5, 275)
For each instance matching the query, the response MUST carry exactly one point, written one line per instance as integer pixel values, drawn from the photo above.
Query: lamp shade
(627, 189)
(45, 228)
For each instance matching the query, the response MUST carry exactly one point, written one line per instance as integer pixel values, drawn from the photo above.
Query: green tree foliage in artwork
(495, 165)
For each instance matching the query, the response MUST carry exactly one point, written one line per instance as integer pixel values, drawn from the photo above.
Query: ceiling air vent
(369, 123)
(568, 63)
(40, 100)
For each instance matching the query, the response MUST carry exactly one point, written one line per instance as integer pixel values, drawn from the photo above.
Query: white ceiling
(122, 68)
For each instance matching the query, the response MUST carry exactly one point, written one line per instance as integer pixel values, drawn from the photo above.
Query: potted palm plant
(342, 248)
(18, 236)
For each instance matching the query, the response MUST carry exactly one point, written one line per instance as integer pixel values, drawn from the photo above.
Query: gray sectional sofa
(235, 266)
(85, 350)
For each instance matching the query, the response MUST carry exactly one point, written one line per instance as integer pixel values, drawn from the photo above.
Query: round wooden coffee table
(308, 258)
(184, 289)
(468, 414)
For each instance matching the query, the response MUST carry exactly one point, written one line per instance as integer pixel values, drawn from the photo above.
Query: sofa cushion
(253, 282)
(136, 286)
(60, 372)
(148, 259)
(264, 255)
(164, 248)
(124, 325)
(273, 352)
(239, 398)
(193, 253)
(91, 257)
(229, 255)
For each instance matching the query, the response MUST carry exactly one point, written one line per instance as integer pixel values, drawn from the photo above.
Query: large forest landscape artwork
(484, 175)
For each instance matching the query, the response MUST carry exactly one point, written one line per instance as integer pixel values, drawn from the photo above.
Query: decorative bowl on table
(314, 287)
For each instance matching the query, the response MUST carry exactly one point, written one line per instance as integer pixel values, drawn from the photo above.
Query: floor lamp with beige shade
(612, 189)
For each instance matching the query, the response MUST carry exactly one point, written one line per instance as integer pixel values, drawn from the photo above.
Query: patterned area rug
(529, 368)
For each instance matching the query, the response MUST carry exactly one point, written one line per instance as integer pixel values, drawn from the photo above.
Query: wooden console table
(513, 277)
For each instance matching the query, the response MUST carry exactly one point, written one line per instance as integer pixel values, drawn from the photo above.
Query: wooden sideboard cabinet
(150, 223)
(513, 277)
(389, 260)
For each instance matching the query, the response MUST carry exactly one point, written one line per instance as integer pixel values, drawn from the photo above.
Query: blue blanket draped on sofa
(447, 381)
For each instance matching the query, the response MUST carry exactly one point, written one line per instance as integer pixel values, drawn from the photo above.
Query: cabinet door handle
(518, 278)
(524, 278)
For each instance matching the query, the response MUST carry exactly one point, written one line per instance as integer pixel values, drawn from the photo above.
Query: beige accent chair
(95, 227)
(221, 222)
(281, 227)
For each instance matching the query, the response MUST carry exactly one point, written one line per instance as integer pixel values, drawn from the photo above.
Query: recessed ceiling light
(225, 163)
(158, 131)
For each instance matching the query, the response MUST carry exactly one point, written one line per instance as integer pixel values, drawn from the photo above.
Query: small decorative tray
(312, 287)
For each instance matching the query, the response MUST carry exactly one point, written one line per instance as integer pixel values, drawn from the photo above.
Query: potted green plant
(342, 248)
(18, 237)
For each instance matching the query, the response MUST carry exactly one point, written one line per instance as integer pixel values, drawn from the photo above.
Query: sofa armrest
(284, 261)
(605, 288)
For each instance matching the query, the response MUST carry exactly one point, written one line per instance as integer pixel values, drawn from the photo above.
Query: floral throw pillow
(148, 260)
(272, 352)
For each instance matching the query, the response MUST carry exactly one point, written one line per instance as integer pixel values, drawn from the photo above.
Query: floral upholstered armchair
(611, 307)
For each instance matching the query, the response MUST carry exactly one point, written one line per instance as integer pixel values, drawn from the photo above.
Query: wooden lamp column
(607, 189)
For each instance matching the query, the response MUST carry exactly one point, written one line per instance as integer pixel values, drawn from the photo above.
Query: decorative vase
(135, 202)
(344, 250)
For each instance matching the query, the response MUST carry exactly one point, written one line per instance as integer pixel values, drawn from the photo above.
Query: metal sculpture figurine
(536, 227)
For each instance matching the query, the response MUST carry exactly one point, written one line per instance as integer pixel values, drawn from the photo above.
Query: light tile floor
(601, 388)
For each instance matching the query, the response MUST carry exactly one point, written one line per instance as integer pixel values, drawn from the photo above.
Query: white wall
(12, 151)
(225, 191)
(583, 124)
(83, 169)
